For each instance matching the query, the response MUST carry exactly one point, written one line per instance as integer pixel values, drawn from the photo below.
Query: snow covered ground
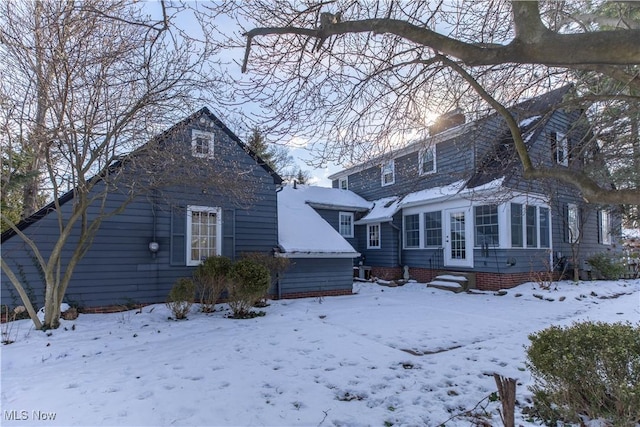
(407, 356)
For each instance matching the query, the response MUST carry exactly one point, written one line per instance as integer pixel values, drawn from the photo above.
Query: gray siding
(387, 255)
(118, 268)
(333, 216)
(317, 275)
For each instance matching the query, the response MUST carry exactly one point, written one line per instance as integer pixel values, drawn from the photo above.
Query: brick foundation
(387, 273)
(495, 281)
(484, 281)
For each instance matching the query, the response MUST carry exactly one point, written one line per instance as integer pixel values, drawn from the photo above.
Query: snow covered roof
(302, 232)
(384, 209)
(332, 198)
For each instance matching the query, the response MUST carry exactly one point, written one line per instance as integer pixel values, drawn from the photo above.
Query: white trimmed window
(412, 231)
(388, 173)
(605, 227)
(486, 225)
(343, 183)
(560, 148)
(573, 223)
(373, 236)
(204, 233)
(345, 224)
(202, 144)
(427, 160)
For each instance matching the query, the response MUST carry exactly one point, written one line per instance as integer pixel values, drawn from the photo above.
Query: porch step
(453, 281)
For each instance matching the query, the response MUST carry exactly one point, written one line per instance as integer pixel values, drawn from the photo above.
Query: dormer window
(343, 183)
(427, 160)
(388, 173)
(201, 144)
(560, 148)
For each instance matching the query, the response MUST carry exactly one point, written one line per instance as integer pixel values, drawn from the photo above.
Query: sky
(401, 356)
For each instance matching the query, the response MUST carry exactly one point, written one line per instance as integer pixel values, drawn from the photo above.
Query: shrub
(211, 279)
(608, 267)
(249, 282)
(275, 265)
(181, 297)
(587, 370)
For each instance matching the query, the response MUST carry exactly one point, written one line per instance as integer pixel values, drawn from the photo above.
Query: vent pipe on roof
(447, 121)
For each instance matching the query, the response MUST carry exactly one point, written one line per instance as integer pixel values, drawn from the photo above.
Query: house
(221, 200)
(457, 201)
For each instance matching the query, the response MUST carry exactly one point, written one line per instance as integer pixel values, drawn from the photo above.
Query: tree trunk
(507, 393)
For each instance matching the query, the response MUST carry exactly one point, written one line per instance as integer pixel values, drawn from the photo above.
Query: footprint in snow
(145, 395)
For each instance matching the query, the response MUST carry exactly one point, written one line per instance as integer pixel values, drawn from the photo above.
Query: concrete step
(452, 281)
(446, 285)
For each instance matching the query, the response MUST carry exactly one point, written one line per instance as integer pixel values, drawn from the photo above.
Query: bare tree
(83, 84)
(357, 78)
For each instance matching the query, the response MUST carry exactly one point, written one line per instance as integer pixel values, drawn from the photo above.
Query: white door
(458, 246)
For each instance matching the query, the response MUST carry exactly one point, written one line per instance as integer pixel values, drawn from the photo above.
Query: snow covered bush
(181, 297)
(211, 279)
(586, 371)
(249, 282)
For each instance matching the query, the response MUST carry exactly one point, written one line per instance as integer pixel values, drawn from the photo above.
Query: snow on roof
(384, 209)
(528, 121)
(303, 233)
(332, 197)
(631, 233)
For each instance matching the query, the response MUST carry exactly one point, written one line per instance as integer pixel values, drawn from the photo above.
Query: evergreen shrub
(608, 267)
(181, 297)
(588, 370)
(249, 281)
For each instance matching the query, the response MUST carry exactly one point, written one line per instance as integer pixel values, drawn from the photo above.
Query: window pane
(573, 223)
(486, 218)
(532, 227)
(544, 228)
(388, 172)
(605, 227)
(374, 236)
(427, 163)
(433, 229)
(412, 231)
(346, 224)
(203, 235)
(516, 225)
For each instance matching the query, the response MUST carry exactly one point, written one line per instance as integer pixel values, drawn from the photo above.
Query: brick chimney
(447, 121)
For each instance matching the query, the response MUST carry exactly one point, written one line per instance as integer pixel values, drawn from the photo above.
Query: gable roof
(302, 232)
(502, 159)
(50, 207)
(536, 106)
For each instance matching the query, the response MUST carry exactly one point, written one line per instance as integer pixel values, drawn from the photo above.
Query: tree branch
(545, 47)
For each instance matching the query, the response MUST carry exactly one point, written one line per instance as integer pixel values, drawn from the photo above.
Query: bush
(249, 282)
(211, 279)
(181, 297)
(587, 370)
(608, 267)
(275, 265)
